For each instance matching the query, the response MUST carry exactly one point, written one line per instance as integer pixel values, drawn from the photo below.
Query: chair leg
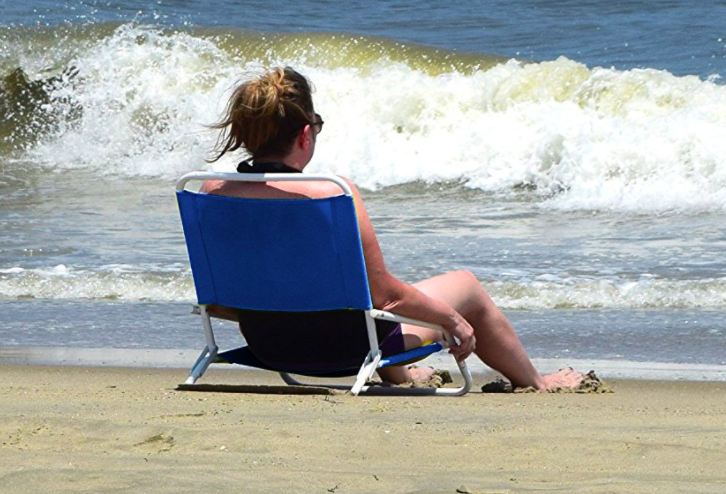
(291, 381)
(370, 364)
(466, 374)
(200, 366)
(366, 372)
(398, 391)
(209, 353)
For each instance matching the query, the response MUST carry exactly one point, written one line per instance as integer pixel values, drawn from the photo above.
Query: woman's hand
(462, 331)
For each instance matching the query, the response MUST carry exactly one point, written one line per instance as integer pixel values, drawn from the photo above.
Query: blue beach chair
(296, 258)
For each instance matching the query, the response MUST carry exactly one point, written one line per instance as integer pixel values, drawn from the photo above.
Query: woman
(273, 119)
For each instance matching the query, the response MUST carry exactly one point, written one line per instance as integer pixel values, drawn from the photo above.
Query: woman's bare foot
(564, 378)
(421, 374)
(402, 375)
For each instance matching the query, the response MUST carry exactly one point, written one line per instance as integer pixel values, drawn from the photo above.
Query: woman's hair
(265, 114)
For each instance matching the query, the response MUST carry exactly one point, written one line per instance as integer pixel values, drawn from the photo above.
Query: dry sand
(76, 429)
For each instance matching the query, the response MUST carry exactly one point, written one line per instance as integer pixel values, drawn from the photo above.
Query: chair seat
(411, 356)
(244, 356)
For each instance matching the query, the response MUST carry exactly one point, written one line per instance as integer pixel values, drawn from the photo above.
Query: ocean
(570, 154)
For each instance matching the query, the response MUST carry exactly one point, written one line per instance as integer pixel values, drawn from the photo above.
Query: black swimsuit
(311, 341)
(265, 167)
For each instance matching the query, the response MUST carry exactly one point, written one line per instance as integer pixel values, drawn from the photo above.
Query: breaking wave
(173, 283)
(134, 100)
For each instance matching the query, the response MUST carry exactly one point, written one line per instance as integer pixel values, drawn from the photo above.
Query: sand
(84, 429)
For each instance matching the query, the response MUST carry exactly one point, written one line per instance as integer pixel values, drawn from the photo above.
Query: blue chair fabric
(242, 257)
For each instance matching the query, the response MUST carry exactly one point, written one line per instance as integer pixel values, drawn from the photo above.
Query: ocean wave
(174, 284)
(610, 294)
(106, 283)
(570, 136)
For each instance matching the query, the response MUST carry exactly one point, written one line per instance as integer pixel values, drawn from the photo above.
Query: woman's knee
(477, 304)
(468, 277)
(463, 281)
(460, 289)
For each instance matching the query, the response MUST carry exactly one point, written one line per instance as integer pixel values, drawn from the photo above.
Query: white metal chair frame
(373, 358)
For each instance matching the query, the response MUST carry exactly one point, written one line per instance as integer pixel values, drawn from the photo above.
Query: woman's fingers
(463, 348)
(464, 340)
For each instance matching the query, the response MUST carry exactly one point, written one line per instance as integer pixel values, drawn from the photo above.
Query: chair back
(275, 254)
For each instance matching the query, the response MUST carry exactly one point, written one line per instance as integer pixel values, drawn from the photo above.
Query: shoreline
(83, 429)
(183, 359)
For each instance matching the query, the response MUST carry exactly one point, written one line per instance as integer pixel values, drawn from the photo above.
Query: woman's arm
(391, 294)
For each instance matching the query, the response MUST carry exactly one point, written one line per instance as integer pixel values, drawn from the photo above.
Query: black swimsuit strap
(269, 167)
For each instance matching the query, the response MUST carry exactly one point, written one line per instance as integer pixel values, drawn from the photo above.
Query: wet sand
(95, 429)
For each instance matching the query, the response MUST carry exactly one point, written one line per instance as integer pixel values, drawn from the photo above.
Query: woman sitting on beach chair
(272, 118)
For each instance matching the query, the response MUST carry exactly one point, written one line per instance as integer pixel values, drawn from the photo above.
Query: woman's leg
(497, 345)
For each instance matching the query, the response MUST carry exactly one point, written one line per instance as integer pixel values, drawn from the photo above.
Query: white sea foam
(606, 293)
(585, 139)
(173, 283)
(129, 283)
(145, 97)
(578, 137)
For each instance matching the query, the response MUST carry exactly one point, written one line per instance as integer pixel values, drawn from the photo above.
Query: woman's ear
(306, 137)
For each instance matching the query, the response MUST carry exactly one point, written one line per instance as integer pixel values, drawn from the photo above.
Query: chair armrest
(390, 316)
(219, 312)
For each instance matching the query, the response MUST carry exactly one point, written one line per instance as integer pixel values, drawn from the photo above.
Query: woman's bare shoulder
(273, 190)
(312, 189)
(212, 186)
(323, 188)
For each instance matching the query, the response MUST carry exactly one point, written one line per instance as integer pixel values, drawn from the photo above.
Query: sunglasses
(317, 124)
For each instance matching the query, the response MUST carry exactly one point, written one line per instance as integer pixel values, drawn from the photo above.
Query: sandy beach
(86, 429)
